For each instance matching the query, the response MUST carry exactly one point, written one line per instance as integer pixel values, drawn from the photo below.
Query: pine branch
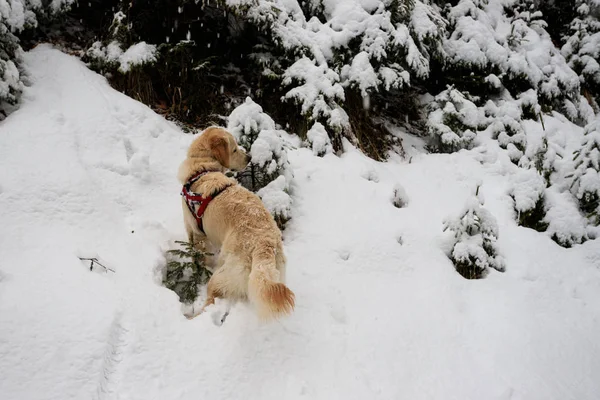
(186, 271)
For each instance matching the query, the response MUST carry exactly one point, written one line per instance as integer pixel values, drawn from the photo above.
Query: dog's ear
(220, 149)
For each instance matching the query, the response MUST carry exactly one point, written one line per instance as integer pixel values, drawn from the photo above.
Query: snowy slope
(381, 313)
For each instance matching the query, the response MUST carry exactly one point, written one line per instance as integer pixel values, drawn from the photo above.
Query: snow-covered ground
(381, 313)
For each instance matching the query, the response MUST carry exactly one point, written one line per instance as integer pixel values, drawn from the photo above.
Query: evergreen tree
(268, 172)
(475, 233)
(453, 121)
(558, 14)
(318, 139)
(11, 84)
(186, 271)
(499, 56)
(586, 176)
(503, 45)
(15, 17)
(529, 199)
(505, 118)
(582, 46)
(341, 77)
(257, 133)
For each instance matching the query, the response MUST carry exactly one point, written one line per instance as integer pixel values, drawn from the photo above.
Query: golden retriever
(251, 263)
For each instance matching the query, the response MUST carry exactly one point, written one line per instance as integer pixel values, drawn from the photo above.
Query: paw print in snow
(370, 175)
(344, 254)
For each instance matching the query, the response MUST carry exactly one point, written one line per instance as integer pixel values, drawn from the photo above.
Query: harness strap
(192, 199)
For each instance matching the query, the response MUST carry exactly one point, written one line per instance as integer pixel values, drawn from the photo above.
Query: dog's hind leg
(230, 281)
(217, 287)
(212, 292)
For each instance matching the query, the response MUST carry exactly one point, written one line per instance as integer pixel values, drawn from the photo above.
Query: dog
(251, 262)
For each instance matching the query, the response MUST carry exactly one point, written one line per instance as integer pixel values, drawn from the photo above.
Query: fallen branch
(93, 261)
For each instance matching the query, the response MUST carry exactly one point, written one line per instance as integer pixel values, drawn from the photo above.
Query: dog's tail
(271, 298)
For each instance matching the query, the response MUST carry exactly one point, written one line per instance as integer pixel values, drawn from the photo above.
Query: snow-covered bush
(11, 84)
(117, 52)
(268, 172)
(367, 46)
(567, 226)
(582, 46)
(506, 124)
(277, 200)
(324, 60)
(112, 56)
(586, 175)
(501, 54)
(508, 40)
(173, 55)
(475, 233)
(453, 121)
(15, 17)
(528, 195)
(319, 140)
(399, 197)
(325, 52)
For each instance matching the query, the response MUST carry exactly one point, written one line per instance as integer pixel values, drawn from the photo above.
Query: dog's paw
(192, 315)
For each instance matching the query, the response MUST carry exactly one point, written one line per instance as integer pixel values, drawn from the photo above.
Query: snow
(318, 89)
(276, 198)
(400, 198)
(268, 149)
(20, 14)
(15, 14)
(381, 313)
(361, 73)
(527, 190)
(137, 54)
(421, 21)
(11, 78)
(323, 60)
(319, 139)
(567, 225)
(247, 118)
(475, 234)
(483, 36)
(450, 107)
(581, 49)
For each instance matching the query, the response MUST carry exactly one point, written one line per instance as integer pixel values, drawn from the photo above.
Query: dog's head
(220, 145)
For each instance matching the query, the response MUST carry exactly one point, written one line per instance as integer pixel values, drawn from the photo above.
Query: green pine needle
(186, 271)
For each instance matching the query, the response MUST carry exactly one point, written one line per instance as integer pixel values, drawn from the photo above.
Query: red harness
(195, 201)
